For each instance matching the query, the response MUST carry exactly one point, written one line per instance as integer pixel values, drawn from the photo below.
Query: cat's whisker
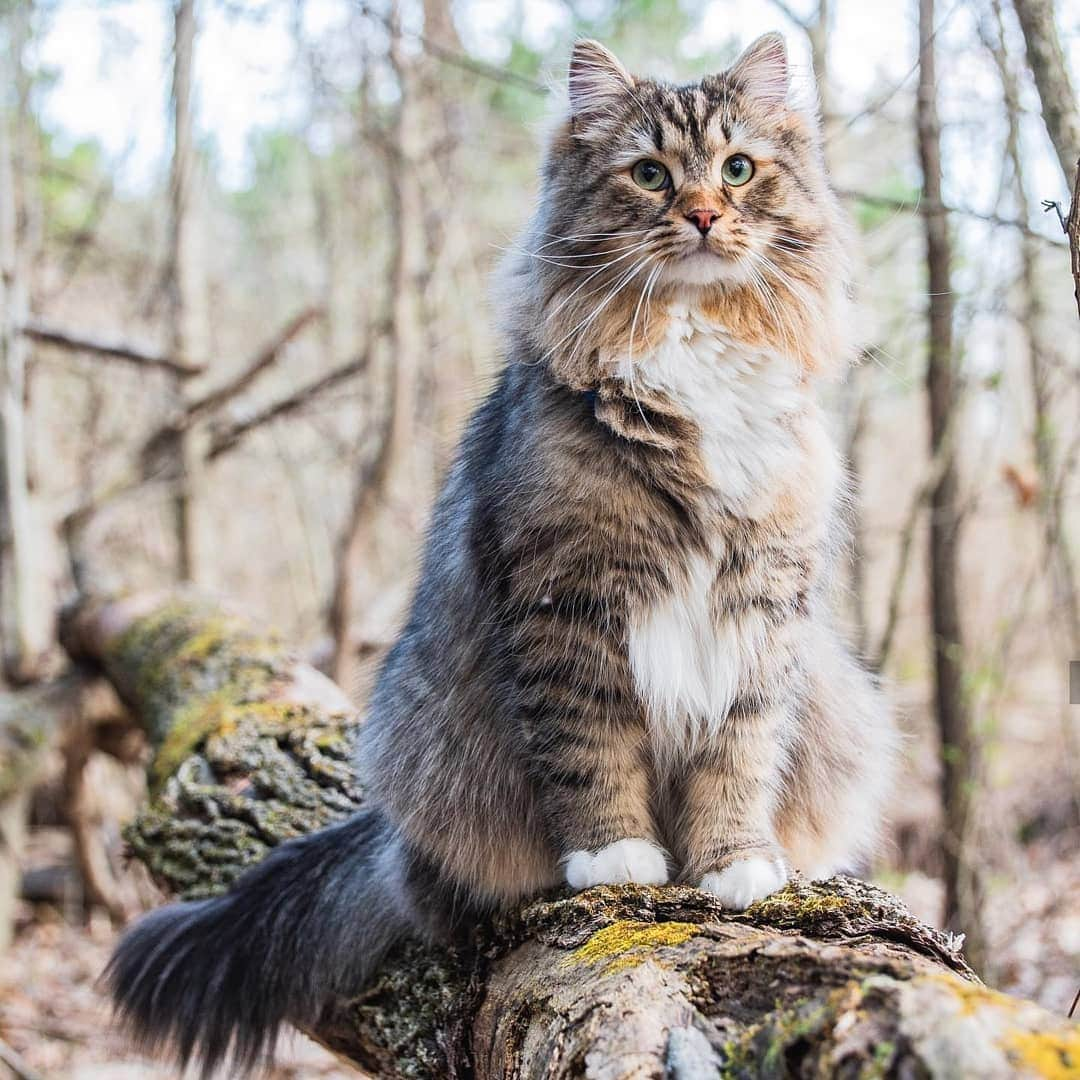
(620, 258)
(645, 290)
(563, 262)
(592, 316)
(584, 237)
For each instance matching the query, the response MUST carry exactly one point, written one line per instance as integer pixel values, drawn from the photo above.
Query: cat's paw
(639, 861)
(740, 884)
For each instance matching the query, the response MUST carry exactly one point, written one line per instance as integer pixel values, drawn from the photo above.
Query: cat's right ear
(597, 80)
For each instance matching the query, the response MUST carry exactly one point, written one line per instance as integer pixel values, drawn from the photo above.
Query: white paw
(640, 861)
(740, 884)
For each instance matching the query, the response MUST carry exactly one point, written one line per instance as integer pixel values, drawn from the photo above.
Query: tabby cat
(619, 664)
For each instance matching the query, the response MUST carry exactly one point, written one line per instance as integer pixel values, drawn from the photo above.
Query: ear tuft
(596, 80)
(763, 70)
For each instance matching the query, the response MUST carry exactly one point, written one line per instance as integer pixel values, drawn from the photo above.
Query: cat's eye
(650, 175)
(737, 170)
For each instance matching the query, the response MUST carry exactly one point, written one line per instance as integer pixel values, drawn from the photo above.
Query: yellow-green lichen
(1053, 1055)
(191, 725)
(973, 996)
(790, 905)
(626, 943)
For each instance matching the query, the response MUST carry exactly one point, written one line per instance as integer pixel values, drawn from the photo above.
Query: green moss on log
(180, 662)
(237, 767)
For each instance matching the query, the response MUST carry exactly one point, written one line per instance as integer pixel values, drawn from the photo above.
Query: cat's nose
(703, 219)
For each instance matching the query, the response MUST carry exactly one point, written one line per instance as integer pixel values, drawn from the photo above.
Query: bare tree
(1046, 58)
(951, 703)
(186, 285)
(401, 472)
(20, 594)
(1060, 569)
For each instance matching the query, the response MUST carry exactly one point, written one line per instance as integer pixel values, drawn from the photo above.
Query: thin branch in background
(264, 359)
(227, 438)
(1070, 226)
(83, 239)
(74, 341)
(455, 58)
(908, 531)
(890, 202)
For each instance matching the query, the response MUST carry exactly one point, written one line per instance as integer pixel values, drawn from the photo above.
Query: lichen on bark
(830, 978)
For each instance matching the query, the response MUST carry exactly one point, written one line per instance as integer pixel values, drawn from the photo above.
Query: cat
(619, 664)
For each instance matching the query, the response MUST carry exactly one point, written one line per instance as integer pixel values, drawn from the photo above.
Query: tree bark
(186, 286)
(1060, 570)
(959, 765)
(23, 636)
(1046, 58)
(825, 979)
(398, 477)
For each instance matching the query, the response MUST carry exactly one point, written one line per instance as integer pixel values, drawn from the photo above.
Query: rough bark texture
(824, 979)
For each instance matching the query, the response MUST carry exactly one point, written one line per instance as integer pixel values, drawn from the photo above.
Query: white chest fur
(688, 662)
(742, 399)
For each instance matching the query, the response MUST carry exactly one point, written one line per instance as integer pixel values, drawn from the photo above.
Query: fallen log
(828, 978)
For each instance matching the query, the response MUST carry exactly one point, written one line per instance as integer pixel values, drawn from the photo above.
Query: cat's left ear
(762, 70)
(597, 80)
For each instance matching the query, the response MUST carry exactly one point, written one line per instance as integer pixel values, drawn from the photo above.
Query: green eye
(737, 170)
(650, 175)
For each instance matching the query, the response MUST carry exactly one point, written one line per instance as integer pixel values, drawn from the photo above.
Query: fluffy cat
(619, 664)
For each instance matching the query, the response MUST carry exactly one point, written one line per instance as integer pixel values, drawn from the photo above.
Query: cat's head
(712, 191)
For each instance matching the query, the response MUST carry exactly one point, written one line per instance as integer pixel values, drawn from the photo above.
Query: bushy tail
(212, 980)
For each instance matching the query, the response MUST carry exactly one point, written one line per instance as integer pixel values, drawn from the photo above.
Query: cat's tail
(211, 981)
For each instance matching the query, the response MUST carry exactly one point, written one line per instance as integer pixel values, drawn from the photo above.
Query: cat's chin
(702, 269)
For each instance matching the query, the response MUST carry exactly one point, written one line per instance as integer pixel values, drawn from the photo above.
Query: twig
(266, 356)
(1070, 226)
(890, 202)
(907, 538)
(790, 14)
(227, 438)
(457, 59)
(37, 330)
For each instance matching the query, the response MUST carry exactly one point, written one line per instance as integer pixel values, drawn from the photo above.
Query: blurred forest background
(245, 250)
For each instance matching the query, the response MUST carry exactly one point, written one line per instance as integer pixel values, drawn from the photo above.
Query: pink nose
(703, 219)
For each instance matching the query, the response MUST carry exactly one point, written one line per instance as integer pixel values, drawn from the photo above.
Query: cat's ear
(597, 80)
(762, 70)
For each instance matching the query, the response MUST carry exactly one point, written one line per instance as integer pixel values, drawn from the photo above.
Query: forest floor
(55, 1018)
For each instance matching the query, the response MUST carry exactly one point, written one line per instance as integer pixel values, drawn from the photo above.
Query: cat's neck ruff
(742, 398)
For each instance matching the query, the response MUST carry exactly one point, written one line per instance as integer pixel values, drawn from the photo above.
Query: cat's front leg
(727, 841)
(595, 785)
(585, 740)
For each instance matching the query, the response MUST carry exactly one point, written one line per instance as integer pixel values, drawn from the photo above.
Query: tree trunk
(825, 979)
(22, 632)
(186, 285)
(1046, 58)
(951, 705)
(1060, 571)
(398, 479)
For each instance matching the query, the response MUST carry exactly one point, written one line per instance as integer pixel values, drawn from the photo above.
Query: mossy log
(828, 978)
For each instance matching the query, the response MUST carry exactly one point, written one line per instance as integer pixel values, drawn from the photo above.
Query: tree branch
(37, 330)
(264, 359)
(830, 978)
(924, 206)
(228, 437)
